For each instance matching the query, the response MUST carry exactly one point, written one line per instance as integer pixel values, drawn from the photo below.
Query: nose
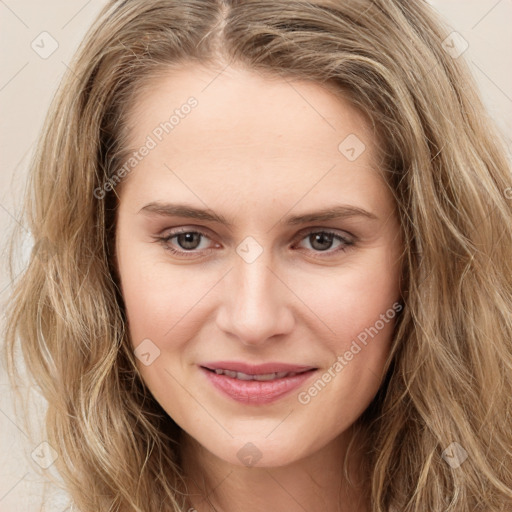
(255, 303)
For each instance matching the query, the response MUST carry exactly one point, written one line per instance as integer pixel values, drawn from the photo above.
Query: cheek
(364, 325)
(158, 295)
(351, 299)
(357, 310)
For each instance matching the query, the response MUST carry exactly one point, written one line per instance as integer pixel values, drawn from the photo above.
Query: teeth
(265, 376)
(261, 377)
(243, 376)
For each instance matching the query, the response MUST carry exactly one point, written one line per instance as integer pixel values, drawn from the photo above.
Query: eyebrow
(184, 210)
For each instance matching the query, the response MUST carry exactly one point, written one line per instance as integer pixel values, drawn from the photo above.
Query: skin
(257, 150)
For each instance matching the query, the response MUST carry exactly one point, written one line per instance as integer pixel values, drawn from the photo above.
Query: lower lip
(256, 392)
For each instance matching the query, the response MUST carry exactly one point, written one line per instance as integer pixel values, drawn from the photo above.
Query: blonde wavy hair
(449, 375)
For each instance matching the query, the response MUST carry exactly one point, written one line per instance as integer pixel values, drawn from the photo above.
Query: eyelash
(190, 254)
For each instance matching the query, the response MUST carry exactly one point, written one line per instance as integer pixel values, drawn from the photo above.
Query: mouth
(256, 384)
(261, 377)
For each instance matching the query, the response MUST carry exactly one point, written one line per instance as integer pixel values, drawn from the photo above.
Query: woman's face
(288, 255)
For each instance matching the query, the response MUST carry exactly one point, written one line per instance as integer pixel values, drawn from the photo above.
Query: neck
(317, 483)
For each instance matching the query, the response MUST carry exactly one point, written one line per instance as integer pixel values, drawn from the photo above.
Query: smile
(255, 388)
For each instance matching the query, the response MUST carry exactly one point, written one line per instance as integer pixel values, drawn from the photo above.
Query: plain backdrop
(37, 40)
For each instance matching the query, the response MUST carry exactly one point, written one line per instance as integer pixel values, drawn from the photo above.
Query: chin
(258, 451)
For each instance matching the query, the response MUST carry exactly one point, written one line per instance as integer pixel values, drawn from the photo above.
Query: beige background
(27, 83)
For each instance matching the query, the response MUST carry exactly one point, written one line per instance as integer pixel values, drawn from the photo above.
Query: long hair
(449, 374)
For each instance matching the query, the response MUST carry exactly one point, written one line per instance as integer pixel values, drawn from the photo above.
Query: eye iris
(322, 238)
(184, 239)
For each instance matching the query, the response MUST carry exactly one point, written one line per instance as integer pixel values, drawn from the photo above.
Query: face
(258, 251)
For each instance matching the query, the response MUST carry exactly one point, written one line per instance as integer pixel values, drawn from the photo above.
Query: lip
(252, 392)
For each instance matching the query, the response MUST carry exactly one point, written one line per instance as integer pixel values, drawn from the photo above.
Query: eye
(187, 241)
(321, 241)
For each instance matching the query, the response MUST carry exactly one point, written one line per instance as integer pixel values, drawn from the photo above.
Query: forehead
(249, 134)
(240, 106)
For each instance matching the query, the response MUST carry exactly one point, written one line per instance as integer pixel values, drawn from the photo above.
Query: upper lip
(256, 369)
